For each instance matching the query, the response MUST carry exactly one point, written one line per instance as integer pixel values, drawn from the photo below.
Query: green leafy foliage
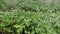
(30, 17)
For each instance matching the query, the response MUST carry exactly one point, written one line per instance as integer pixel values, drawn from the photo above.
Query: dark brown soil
(1, 32)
